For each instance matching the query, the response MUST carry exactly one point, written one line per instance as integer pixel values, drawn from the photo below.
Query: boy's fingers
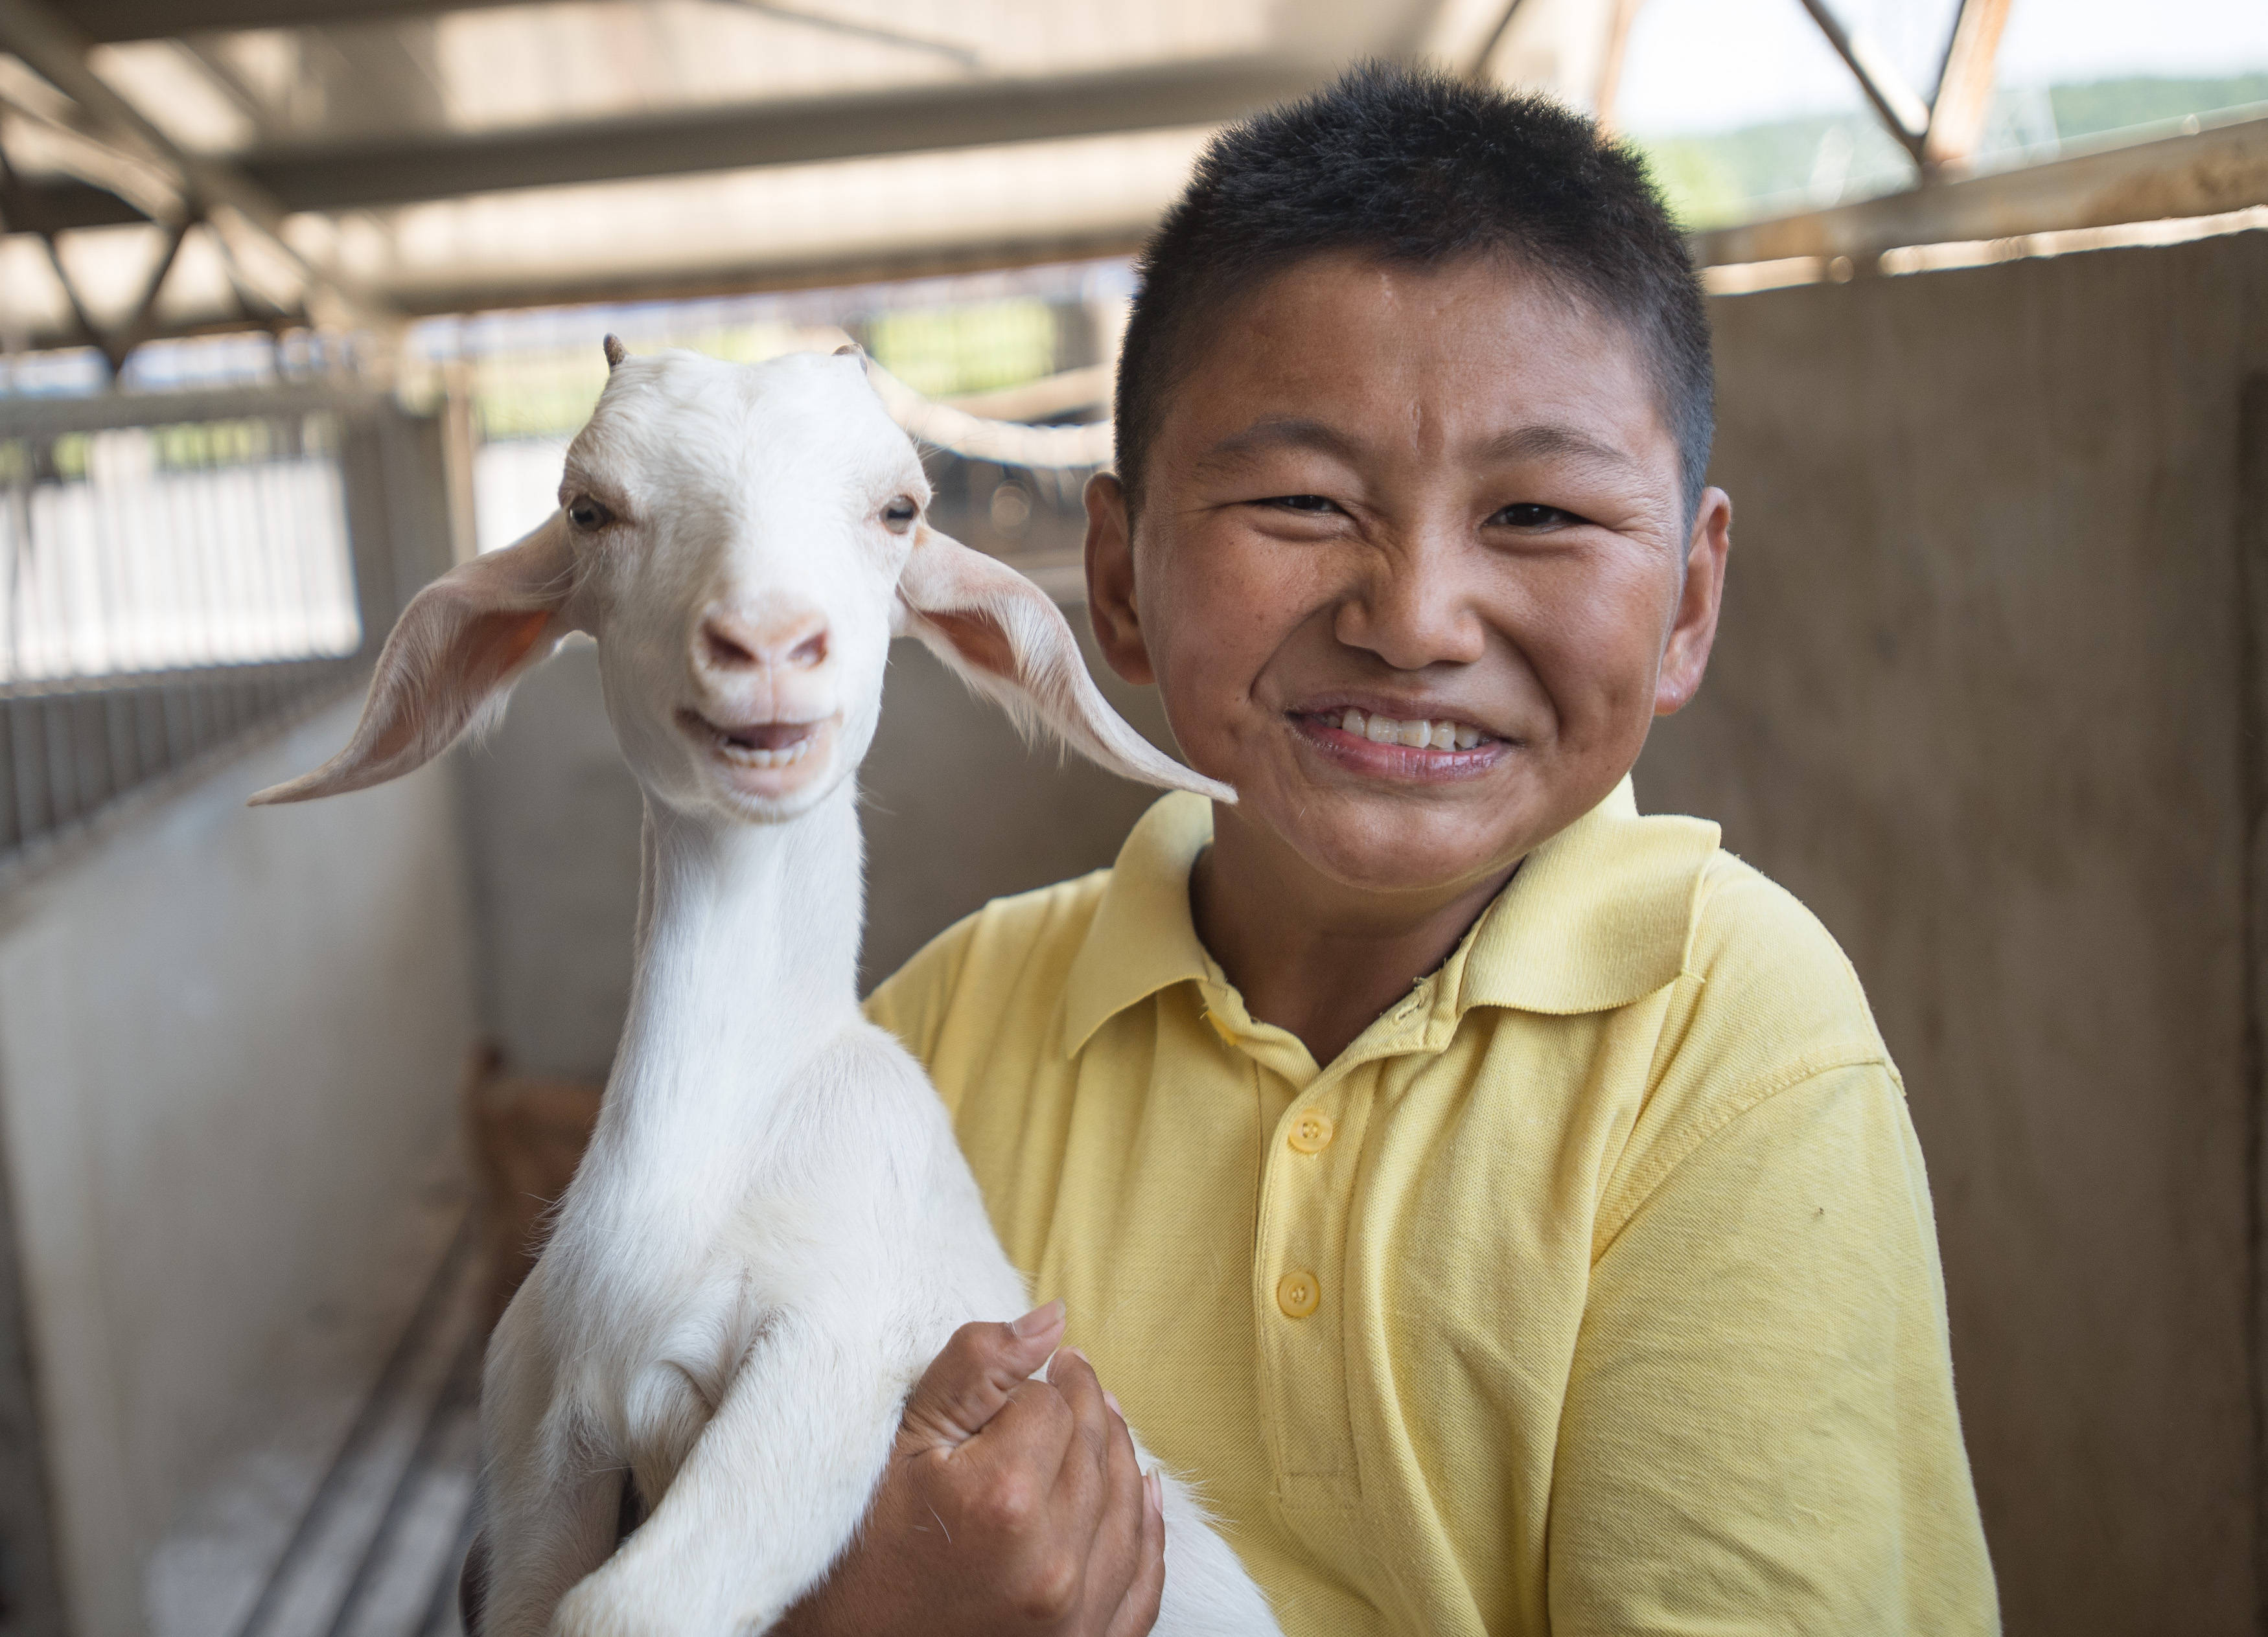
(1071, 1373)
(1125, 1507)
(970, 1381)
(1024, 1443)
(1137, 1609)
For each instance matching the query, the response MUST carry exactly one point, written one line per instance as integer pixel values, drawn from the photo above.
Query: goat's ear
(1010, 642)
(453, 656)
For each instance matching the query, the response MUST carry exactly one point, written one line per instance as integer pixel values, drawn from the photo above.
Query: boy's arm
(1759, 1433)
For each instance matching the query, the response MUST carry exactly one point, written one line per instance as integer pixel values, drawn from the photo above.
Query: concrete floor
(346, 1513)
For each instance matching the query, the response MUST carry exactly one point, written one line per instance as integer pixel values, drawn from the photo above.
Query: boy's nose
(1415, 613)
(789, 639)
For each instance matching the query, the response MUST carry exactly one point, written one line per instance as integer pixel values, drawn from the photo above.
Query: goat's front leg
(552, 1502)
(771, 1494)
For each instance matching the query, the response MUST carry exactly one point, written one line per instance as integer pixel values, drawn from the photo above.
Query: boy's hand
(1009, 1505)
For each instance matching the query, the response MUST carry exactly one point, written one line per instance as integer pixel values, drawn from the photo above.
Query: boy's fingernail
(1111, 1399)
(1039, 1321)
(1156, 1486)
(1081, 1357)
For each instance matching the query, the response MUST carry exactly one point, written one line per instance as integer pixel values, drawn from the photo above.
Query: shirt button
(1311, 1131)
(1297, 1294)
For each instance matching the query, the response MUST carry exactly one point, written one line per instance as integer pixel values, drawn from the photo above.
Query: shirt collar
(1142, 939)
(1597, 917)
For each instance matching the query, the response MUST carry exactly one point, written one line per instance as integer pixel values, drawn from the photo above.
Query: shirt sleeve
(1759, 1433)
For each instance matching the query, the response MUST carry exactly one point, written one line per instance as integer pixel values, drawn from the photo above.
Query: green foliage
(1757, 171)
(1760, 170)
(944, 351)
(549, 393)
(2113, 105)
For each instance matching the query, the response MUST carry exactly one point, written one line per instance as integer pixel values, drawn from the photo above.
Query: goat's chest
(655, 1310)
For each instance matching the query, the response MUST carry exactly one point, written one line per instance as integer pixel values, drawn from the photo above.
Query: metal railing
(179, 571)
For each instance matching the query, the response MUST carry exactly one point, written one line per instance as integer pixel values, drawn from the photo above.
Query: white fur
(773, 1231)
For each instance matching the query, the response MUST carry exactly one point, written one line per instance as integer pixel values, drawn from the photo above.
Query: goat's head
(743, 541)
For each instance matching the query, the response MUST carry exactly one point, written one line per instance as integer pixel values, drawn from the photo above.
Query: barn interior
(301, 299)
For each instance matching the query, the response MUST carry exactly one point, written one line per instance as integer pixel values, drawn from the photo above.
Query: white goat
(773, 1232)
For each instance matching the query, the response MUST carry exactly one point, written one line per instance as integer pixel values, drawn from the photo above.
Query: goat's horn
(850, 349)
(615, 351)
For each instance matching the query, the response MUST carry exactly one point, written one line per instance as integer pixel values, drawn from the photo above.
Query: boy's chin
(1391, 845)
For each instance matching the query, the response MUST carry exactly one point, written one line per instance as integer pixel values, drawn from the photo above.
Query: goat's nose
(794, 640)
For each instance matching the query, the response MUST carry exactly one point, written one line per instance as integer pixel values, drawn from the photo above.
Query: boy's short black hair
(1415, 166)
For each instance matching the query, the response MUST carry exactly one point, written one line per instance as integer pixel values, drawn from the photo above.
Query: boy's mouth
(1415, 734)
(1406, 747)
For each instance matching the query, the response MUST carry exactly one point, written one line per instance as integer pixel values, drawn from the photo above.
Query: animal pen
(280, 1102)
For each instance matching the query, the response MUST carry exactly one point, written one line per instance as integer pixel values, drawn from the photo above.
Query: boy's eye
(1529, 516)
(1301, 502)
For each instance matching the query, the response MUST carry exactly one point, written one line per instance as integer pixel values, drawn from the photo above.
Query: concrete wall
(1978, 700)
(958, 811)
(230, 1044)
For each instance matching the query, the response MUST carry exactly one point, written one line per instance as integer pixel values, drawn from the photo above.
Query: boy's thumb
(971, 1382)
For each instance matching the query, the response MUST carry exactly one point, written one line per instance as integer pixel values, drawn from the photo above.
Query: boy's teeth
(1386, 731)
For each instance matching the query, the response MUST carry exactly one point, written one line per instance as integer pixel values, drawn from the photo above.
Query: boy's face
(1420, 494)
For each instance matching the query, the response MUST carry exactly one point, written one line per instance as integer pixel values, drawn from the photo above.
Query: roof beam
(804, 131)
(1964, 87)
(1900, 107)
(568, 286)
(109, 22)
(2218, 170)
(51, 46)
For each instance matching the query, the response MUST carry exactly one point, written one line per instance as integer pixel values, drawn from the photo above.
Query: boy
(1503, 1204)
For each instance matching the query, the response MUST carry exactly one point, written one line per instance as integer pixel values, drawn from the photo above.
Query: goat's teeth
(750, 756)
(1382, 730)
(1467, 738)
(1414, 734)
(1351, 722)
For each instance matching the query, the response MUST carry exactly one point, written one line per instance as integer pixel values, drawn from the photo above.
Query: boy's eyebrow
(1539, 441)
(1277, 432)
(1542, 442)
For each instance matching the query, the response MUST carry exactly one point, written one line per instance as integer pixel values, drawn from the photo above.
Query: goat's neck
(747, 955)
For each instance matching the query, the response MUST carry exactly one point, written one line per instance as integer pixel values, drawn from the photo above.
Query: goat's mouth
(756, 746)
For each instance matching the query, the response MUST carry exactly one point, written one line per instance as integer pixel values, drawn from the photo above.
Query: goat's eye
(585, 513)
(899, 515)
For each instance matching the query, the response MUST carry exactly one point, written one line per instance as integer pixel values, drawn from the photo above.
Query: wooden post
(1964, 86)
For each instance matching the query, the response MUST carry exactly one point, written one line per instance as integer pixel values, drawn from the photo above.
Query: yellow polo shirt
(1593, 1289)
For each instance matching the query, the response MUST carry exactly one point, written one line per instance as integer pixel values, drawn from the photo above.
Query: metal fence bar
(178, 572)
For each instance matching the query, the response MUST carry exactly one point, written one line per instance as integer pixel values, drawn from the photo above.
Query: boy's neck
(1314, 957)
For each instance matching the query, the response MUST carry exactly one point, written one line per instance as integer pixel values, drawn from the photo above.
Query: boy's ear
(452, 660)
(1011, 643)
(1111, 580)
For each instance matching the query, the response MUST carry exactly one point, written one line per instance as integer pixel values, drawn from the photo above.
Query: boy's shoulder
(1764, 1004)
(1760, 965)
